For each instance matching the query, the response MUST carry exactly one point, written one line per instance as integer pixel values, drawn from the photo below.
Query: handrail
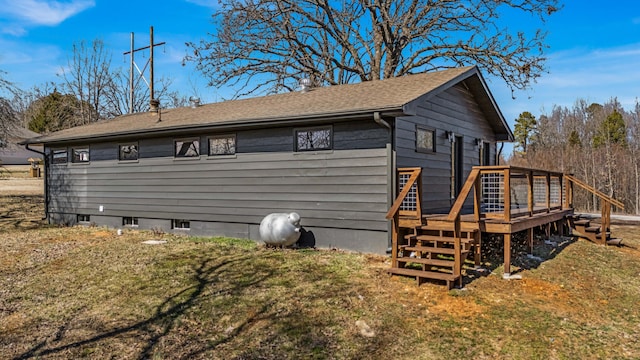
(454, 213)
(596, 192)
(403, 193)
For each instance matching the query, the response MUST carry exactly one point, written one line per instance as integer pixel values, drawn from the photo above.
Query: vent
(305, 84)
(194, 101)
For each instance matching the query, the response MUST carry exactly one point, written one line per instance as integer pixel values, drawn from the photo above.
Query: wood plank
(423, 274)
(433, 262)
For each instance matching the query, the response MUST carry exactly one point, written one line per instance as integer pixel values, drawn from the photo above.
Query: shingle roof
(381, 95)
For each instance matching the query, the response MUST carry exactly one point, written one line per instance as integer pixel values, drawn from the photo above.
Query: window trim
(133, 224)
(189, 139)
(313, 128)
(80, 161)
(222, 136)
(421, 149)
(176, 222)
(66, 156)
(86, 219)
(120, 145)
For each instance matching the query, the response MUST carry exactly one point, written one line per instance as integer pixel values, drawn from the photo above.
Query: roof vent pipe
(154, 105)
(194, 101)
(305, 84)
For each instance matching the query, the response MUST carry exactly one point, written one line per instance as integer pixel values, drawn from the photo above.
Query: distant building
(13, 154)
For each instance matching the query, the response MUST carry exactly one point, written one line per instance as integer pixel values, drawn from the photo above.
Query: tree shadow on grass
(22, 212)
(239, 287)
(167, 314)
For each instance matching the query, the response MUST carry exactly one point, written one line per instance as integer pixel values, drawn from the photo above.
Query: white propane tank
(280, 229)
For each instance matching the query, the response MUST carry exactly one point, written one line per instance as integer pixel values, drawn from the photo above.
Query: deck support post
(457, 257)
(477, 254)
(530, 239)
(394, 240)
(547, 231)
(507, 255)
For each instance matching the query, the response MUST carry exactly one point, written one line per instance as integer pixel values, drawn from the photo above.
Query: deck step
(442, 239)
(435, 250)
(433, 262)
(614, 242)
(447, 226)
(583, 222)
(423, 274)
(593, 229)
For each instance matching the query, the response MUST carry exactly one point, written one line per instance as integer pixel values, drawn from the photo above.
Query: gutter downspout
(392, 174)
(46, 177)
(380, 121)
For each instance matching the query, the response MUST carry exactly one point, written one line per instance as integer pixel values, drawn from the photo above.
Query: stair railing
(408, 203)
(473, 181)
(605, 201)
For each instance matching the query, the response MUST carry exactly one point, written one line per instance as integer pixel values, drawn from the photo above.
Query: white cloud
(42, 12)
(206, 3)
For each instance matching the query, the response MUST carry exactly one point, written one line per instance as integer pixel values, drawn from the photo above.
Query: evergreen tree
(612, 131)
(524, 130)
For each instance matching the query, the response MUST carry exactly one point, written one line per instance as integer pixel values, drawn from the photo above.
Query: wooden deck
(506, 200)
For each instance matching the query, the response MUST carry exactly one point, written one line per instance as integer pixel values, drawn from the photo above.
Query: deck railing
(507, 192)
(605, 201)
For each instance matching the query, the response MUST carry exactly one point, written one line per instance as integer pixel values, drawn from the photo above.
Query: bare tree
(9, 118)
(87, 77)
(599, 143)
(103, 91)
(270, 44)
(117, 95)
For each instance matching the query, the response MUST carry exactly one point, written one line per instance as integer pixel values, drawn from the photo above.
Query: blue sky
(594, 46)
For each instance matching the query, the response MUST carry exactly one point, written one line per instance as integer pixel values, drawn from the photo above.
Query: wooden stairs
(437, 246)
(430, 252)
(598, 234)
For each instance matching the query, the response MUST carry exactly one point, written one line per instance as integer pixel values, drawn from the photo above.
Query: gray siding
(340, 189)
(456, 110)
(365, 134)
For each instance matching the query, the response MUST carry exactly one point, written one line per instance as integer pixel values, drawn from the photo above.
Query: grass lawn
(85, 292)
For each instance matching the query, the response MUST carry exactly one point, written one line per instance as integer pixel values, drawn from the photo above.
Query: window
(130, 221)
(180, 224)
(187, 148)
(313, 139)
(84, 218)
(222, 145)
(128, 152)
(59, 156)
(80, 155)
(425, 140)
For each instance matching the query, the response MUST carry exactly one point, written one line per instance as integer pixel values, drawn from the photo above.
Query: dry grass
(86, 292)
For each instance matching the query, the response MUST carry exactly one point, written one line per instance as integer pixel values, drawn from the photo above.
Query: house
(329, 154)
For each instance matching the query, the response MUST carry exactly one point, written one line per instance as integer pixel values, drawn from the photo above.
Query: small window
(130, 221)
(222, 145)
(80, 155)
(84, 219)
(313, 139)
(180, 224)
(187, 148)
(128, 152)
(59, 156)
(425, 140)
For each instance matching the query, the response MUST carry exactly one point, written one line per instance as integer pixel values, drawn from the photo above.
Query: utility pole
(141, 72)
